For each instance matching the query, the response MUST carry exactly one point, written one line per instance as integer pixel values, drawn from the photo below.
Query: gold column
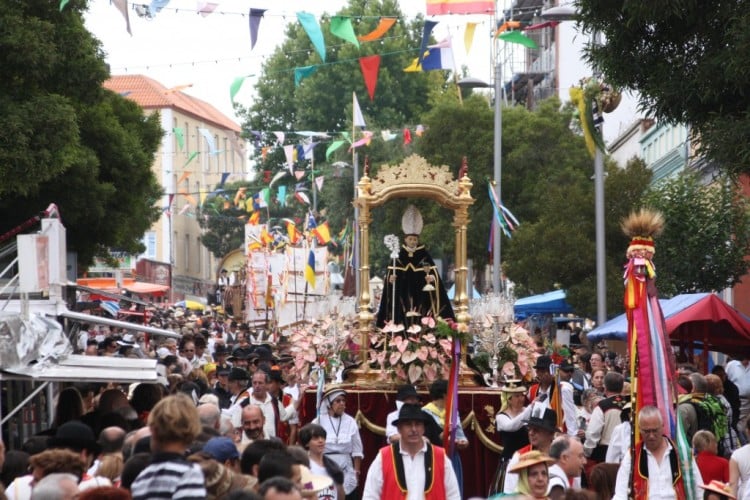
(363, 228)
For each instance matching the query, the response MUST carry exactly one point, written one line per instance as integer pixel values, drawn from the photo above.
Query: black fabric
(429, 472)
(513, 441)
(410, 279)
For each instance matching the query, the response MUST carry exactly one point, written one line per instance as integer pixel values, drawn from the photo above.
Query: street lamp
(568, 13)
(497, 165)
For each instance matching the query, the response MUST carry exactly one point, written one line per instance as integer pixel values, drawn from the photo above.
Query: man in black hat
(221, 387)
(406, 394)
(76, 436)
(428, 466)
(541, 426)
(544, 391)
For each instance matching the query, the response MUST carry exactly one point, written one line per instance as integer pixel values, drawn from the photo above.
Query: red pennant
(266, 176)
(407, 136)
(370, 66)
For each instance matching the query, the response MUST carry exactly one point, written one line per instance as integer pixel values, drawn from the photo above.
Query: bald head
(111, 439)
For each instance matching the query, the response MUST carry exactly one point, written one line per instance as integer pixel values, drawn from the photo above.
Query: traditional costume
(412, 294)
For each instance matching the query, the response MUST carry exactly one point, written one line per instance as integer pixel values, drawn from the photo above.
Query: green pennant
(519, 38)
(342, 27)
(333, 147)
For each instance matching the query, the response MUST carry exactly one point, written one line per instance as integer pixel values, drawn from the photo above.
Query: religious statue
(413, 287)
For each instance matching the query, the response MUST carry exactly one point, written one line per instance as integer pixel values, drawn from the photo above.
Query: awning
(546, 303)
(89, 318)
(88, 369)
(109, 285)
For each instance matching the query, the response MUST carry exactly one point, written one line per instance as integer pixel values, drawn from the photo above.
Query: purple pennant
(255, 16)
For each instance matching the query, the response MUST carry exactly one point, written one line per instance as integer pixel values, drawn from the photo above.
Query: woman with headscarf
(343, 442)
(533, 474)
(510, 422)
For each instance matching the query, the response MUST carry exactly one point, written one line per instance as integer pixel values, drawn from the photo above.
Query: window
(187, 253)
(149, 241)
(199, 256)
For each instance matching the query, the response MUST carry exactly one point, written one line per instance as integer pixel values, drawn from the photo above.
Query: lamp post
(568, 13)
(497, 165)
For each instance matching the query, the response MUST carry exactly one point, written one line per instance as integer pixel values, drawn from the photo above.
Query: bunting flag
(505, 219)
(302, 197)
(519, 38)
(265, 236)
(156, 6)
(428, 27)
(255, 16)
(237, 146)
(63, 3)
(447, 7)
(357, 118)
(303, 72)
(289, 155)
(299, 174)
(291, 231)
(206, 8)
(179, 135)
(333, 147)
(177, 88)
(209, 140)
(254, 219)
(407, 136)
(183, 177)
(507, 25)
(224, 176)
(469, 36)
(538, 26)
(322, 233)
(387, 135)
(591, 133)
(258, 201)
(187, 196)
(192, 157)
(319, 182)
(203, 194)
(419, 130)
(281, 195)
(312, 28)
(265, 195)
(279, 175)
(184, 209)
(279, 137)
(365, 141)
(235, 87)
(122, 6)
(310, 224)
(383, 26)
(342, 27)
(310, 269)
(370, 65)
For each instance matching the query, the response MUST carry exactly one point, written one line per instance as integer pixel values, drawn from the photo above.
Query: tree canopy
(66, 139)
(687, 62)
(706, 235)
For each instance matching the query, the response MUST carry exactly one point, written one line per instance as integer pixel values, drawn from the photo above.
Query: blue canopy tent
(546, 303)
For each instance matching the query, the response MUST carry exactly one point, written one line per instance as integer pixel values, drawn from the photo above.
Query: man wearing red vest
(657, 474)
(411, 468)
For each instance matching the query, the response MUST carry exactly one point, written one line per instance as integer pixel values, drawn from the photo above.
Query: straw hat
(530, 459)
(313, 483)
(718, 487)
(512, 386)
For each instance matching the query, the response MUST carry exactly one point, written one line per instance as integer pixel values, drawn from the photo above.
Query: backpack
(711, 416)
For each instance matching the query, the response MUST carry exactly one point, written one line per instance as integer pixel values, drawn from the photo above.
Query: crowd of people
(578, 442)
(224, 422)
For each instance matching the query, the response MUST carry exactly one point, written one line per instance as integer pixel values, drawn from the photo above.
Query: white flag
(359, 120)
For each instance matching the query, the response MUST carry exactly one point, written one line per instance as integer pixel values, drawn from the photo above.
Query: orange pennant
(384, 25)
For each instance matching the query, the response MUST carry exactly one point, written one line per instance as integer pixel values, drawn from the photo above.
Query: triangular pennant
(180, 136)
(279, 137)
(235, 87)
(469, 36)
(370, 66)
(342, 27)
(519, 38)
(289, 154)
(303, 72)
(206, 8)
(122, 6)
(281, 195)
(255, 17)
(358, 119)
(385, 24)
(333, 147)
(209, 140)
(319, 182)
(312, 28)
(428, 26)
(299, 174)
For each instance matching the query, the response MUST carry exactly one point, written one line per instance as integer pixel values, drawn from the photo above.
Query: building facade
(201, 149)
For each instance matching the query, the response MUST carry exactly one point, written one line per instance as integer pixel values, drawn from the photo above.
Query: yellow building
(200, 146)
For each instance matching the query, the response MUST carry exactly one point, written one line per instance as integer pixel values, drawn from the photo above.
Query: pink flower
(423, 353)
(429, 338)
(428, 321)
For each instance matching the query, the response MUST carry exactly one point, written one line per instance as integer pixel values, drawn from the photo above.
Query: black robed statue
(413, 280)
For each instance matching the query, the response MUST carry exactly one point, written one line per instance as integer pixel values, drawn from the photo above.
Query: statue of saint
(413, 288)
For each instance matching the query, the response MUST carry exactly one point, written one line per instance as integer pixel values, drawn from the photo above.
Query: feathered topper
(642, 227)
(411, 221)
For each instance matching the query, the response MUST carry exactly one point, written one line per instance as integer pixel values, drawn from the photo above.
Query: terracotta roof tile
(150, 94)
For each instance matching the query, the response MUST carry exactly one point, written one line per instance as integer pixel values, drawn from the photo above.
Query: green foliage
(67, 140)
(706, 236)
(687, 62)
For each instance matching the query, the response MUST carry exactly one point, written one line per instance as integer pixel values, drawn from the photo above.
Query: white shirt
(569, 408)
(506, 423)
(415, 477)
(659, 478)
(742, 457)
(740, 375)
(266, 406)
(558, 477)
(390, 429)
(619, 443)
(342, 443)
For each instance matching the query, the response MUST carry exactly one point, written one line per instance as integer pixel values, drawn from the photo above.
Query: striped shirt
(169, 476)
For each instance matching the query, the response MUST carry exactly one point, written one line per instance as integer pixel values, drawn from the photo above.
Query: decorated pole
(652, 364)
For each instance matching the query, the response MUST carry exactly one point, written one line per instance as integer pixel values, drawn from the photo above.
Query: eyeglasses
(651, 431)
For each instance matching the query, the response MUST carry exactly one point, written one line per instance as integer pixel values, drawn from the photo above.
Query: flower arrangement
(417, 354)
(326, 344)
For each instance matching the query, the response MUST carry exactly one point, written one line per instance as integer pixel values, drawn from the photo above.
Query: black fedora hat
(75, 435)
(542, 417)
(406, 391)
(566, 366)
(410, 413)
(543, 363)
(238, 374)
